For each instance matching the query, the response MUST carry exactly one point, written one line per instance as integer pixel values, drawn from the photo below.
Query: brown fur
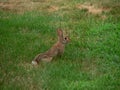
(56, 49)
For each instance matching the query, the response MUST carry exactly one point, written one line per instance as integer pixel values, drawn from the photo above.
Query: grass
(91, 60)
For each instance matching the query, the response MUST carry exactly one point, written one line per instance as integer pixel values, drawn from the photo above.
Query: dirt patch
(103, 17)
(14, 6)
(93, 9)
(27, 5)
(19, 5)
(53, 8)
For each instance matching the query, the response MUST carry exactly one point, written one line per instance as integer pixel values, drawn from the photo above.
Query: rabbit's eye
(65, 38)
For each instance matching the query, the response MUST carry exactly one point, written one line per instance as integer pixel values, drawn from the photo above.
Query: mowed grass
(91, 60)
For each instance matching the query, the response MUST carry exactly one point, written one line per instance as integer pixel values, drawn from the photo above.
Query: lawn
(91, 60)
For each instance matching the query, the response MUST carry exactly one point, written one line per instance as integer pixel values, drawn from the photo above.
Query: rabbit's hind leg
(47, 59)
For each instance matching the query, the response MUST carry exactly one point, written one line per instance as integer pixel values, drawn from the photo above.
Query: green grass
(91, 60)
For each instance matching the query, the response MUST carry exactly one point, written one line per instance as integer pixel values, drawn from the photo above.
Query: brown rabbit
(56, 49)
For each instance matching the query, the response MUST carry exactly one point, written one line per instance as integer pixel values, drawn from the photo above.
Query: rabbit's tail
(36, 60)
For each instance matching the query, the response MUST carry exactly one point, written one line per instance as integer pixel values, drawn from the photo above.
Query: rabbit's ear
(60, 35)
(60, 32)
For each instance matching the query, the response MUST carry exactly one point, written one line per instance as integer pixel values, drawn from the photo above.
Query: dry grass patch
(20, 5)
(53, 8)
(29, 5)
(91, 68)
(26, 66)
(93, 9)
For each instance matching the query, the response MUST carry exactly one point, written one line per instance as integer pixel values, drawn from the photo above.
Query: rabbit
(56, 49)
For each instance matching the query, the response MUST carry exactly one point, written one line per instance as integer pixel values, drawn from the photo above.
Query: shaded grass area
(91, 60)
